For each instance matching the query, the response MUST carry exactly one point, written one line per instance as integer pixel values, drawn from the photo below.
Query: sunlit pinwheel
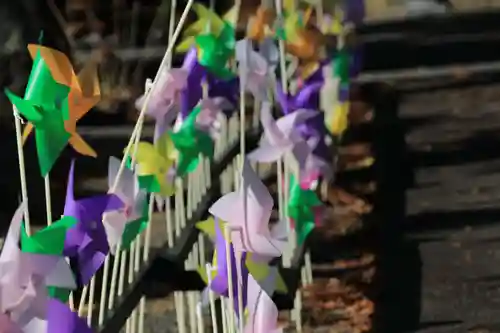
(282, 137)
(247, 212)
(164, 98)
(133, 198)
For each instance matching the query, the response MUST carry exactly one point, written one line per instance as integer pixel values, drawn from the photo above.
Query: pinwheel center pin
(128, 210)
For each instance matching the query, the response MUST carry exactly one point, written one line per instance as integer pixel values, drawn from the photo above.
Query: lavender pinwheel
(133, 198)
(248, 212)
(219, 284)
(86, 242)
(254, 68)
(210, 109)
(24, 278)
(164, 98)
(282, 137)
(262, 312)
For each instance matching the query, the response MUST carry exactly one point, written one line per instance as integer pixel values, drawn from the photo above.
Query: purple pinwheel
(133, 198)
(165, 97)
(60, 319)
(24, 278)
(193, 91)
(248, 212)
(254, 68)
(282, 137)
(219, 284)
(86, 242)
(227, 89)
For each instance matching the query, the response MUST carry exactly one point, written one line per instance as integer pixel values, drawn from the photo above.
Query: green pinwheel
(42, 106)
(135, 228)
(303, 208)
(49, 240)
(190, 142)
(215, 51)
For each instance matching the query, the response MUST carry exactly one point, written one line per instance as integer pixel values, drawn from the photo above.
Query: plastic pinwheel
(42, 105)
(211, 108)
(24, 279)
(247, 213)
(190, 142)
(84, 93)
(282, 137)
(115, 222)
(86, 242)
(165, 97)
(304, 207)
(256, 68)
(155, 165)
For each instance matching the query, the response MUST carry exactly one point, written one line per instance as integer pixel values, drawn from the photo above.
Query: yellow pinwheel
(155, 163)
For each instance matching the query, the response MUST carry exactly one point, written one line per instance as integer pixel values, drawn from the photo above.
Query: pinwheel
(215, 51)
(257, 265)
(84, 93)
(210, 109)
(164, 98)
(262, 312)
(304, 207)
(247, 212)
(42, 106)
(115, 222)
(281, 137)
(218, 281)
(190, 142)
(259, 25)
(256, 68)
(24, 278)
(86, 242)
(155, 165)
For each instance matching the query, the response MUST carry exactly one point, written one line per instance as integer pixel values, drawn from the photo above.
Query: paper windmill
(86, 242)
(218, 280)
(155, 165)
(215, 51)
(210, 109)
(190, 142)
(304, 207)
(24, 278)
(255, 68)
(282, 137)
(115, 222)
(259, 25)
(248, 212)
(84, 93)
(164, 98)
(262, 312)
(42, 105)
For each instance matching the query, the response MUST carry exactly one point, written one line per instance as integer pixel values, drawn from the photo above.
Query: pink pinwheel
(248, 212)
(255, 67)
(262, 312)
(24, 278)
(281, 137)
(133, 198)
(165, 96)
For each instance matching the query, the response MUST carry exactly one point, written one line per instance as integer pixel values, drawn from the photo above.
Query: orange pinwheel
(259, 23)
(84, 93)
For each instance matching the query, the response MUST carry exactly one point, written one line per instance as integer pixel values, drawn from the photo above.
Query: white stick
(48, 201)
(22, 169)
(211, 299)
